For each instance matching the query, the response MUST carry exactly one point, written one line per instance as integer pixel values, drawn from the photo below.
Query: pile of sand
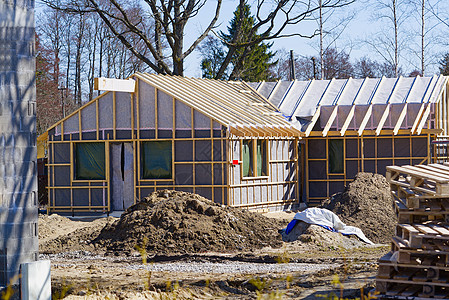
(60, 234)
(366, 203)
(180, 222)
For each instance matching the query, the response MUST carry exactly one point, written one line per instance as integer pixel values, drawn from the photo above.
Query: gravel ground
(233, 267)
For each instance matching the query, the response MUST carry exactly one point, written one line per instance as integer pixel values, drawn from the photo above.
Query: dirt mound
(366, 203)
(59, 234)
(180, 222)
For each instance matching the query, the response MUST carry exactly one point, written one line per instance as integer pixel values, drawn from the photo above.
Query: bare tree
(173, 16)
(387, 45)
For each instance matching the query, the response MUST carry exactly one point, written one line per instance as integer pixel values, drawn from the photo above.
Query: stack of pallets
(418, 265)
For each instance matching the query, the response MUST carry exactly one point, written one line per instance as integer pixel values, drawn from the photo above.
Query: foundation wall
(18, 176)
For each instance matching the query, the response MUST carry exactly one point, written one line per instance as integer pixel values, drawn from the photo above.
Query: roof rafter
(386, 112)
(317, 113)
(333, 115)
(352, 111)
(404, 109)
(370, 108)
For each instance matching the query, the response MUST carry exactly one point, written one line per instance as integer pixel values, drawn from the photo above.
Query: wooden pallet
(408, 255)
(427, 180)
(416, 236)
(395, 289)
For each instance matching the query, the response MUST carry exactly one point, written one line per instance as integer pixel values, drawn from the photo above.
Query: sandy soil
(90, 275)
(175, 245)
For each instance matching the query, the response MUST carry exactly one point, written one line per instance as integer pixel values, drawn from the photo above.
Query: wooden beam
(422, 107)
(370, 108)
(388, 108)
(404, 109)
(114, 85)
(352, 111)
(333, 115)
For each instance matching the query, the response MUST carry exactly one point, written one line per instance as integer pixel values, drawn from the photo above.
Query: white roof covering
(370, 103)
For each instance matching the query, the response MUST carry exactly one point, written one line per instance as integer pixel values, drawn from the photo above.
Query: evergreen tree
(444, 64)
(249, 63)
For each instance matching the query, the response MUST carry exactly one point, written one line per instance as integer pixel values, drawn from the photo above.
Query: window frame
(253, 158)
(343, 162)
(74, 174)
(141, 163)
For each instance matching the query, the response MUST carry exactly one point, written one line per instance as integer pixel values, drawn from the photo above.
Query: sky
(365, 25)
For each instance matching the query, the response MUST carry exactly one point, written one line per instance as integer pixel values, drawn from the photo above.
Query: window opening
(90, 161)
(336, 156)
(156, 160)
(254, 158)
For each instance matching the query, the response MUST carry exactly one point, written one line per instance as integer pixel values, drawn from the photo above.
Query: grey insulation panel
(98, 197)
(384, 147)
(419, 147)
(352, 148)
(62, 153)
(218, 145)
(81, 197)
(201, 121)
(218, 174)
(183, 116)
(89, 117)
(352, 168)
(317, 189)
(62, 176)
(235, 194)
(105, 111)
(316, 148)
(71, 125)
(184, 174)
(203, 150)
(369, 148)
(252, 191)
(218, 196)
(164, 111)
(183, 151)
(62, 197)
(402, 147)
(146, 105)
(203, 174)
(123, 110)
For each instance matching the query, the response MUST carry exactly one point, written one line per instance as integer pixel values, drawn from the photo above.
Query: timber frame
(204, 120)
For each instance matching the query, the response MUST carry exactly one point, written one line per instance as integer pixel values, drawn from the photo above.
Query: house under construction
(361, 125)
(219, 139)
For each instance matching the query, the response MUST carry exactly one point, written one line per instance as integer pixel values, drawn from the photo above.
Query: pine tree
(249, 63)
(444, 64)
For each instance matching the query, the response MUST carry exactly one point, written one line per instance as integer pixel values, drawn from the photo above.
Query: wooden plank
(411, 290)
(412, 171)
(425, 229)
(406, 274)
(440, 229)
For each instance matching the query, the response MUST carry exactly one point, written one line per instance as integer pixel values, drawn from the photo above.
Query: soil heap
(180, 222)
(366, 203)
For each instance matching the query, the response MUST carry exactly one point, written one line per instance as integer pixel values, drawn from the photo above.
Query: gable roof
(233, 104)
(370, 103)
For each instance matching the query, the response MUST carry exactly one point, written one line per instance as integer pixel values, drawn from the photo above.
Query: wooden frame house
(362, 125)
(219, 139)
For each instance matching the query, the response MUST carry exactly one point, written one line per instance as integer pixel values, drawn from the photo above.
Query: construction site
(160, 188)
(244, 184)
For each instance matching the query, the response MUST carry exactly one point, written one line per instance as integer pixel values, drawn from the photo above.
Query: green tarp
(336, 158)
(156, 160)
(261, 158)
(247, 158)
(90, 161)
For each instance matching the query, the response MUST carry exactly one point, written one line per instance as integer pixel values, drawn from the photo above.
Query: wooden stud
(114, 116)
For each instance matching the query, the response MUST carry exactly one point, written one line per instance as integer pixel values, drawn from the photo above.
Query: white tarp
(324, 217)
